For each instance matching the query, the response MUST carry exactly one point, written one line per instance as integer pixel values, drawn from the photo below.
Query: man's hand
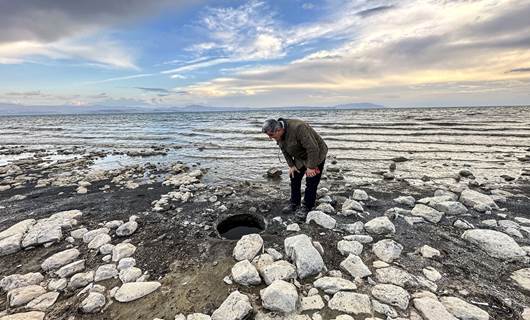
(312, 172)
(292, 170)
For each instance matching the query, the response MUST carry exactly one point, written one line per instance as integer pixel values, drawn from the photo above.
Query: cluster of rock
(299, 286)
(66, 271)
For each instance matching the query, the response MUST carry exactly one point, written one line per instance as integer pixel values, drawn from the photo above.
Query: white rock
(380, 225)
(351, 204)
(135, 290)
(349, 302)
(355, 267)
(387, 250)
(326, 208)
(473, 198)
(11, 238)
(396, 276)
(311, 303)
(43, 302)
(385, 309)
(17, 280)
(360, 195)
(70, 269)
(130, 274)
(248, 247)
(127, 229)
(427, 213)
(280, 296)
(522, 278)
(346, 247)
(293, 227)
(32, 315)
(279, 270)
(359, 238)
(57, 284)
(90, 235)
(450, 207)
(463, 310)
(93, 303)
(429, 252)
(60, 259)
(495, 243)
(406, 200)
(106, 249)
(392, 295)
(198, 316)
(21, 296)
(114, 224)
(276, 255)
(122, 250)
(463, 224)
(106, 271)
(432, 309)
(332, 285)
(352, 228)
(78, 233)
(80, 280)
(305, 256)
(126, 263)
(236, 307)
(99, 240)
(321, 219)
(431, 274)
(245, 273)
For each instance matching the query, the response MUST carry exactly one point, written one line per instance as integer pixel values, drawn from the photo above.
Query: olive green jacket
(301, 145)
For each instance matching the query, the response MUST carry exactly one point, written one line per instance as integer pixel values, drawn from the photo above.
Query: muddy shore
(179, 246)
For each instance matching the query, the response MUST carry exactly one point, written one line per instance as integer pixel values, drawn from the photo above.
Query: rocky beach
(143, 242)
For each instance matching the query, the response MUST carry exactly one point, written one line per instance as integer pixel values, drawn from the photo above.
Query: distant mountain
(14, 109)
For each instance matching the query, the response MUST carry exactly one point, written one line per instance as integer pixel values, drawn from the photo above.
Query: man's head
(273, 128)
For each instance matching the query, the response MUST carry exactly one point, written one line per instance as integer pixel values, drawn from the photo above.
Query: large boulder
(432, 309)
(332, 285)
(392, 295)
(387, 250)
(463, 310)
(236, 307)
(305, 256)
(245, 273)
(495, 243)
(60, 259)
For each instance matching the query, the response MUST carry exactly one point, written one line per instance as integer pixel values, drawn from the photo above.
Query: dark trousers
(311, 185)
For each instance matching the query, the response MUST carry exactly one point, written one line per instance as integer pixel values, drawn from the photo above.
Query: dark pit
(234, 227)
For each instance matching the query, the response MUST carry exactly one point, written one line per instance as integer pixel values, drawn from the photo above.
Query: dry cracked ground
(141, 242)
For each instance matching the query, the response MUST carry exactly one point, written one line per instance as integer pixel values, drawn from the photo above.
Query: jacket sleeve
(308, 141)
(288, 158)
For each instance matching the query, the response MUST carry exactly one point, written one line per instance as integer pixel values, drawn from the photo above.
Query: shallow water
(438, 141)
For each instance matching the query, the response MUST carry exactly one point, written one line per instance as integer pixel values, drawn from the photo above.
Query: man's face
(276, 135)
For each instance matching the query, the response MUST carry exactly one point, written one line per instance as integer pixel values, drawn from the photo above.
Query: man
(305, 152)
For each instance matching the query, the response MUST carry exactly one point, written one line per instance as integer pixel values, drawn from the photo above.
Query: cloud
(392, 47)
(64, 29)
(161, 90)
(520, 70)
(308, 6)
(134, 76)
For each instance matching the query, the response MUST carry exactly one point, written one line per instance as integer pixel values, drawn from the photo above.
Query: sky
(410, 53)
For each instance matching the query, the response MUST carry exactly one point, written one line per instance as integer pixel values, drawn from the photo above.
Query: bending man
(305, 152)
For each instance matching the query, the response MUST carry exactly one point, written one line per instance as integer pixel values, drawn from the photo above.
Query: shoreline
(177, 245)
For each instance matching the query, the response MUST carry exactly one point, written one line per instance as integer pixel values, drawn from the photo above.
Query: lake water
(438, 141)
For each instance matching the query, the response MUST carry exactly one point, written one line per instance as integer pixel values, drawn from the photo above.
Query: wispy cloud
(134, 76)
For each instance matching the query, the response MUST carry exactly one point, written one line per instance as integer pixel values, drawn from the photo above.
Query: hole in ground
(234, 227)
